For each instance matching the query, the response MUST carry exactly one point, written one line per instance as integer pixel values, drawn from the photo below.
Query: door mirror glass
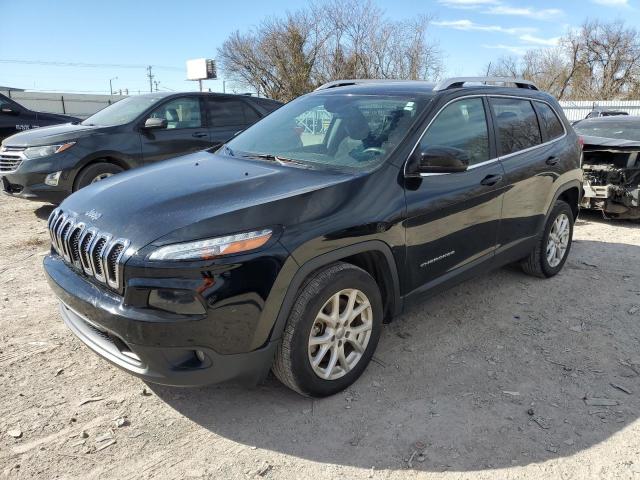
(442, 159)
(155, 123)
(8, 109)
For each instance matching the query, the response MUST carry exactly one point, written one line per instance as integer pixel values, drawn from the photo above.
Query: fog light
(53, 179)
(200, 355)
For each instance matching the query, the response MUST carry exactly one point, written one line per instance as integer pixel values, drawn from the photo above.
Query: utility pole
(150, 75)
(156, 83)
(110, 85)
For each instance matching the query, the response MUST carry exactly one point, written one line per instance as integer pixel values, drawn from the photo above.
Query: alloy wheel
(558, 240)
(340, 334)
(102, 176)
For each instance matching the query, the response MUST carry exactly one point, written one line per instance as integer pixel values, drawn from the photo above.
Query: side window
(180, 113)
(462, 125)
(228, 112)
(517, 124)
(549, 122)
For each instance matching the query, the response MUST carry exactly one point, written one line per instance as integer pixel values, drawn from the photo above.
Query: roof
(377, 87)
(389, 86)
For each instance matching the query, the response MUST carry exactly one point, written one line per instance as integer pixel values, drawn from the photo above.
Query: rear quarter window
(516, 124)
(550, 124)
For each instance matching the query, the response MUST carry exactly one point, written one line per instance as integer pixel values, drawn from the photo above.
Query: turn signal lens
(213, 247)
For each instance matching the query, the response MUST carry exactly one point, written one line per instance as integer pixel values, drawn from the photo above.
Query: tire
(311, 313)
(538, 263)
(93, 172)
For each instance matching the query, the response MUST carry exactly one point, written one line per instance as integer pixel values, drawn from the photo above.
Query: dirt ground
(501, 377)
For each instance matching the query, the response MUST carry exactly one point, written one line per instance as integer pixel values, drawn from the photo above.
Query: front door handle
(552, 160)
(200, 134)
(491, 180)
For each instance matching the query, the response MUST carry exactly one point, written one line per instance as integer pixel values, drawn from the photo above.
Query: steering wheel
(377, 150)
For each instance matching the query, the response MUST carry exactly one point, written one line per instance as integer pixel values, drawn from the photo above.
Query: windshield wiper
(278, 159)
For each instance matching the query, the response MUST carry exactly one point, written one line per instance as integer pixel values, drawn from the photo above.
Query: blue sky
(126, 35)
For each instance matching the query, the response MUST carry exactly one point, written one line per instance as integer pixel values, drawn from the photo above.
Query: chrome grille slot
(96, 257)
(64, 232)
(85, 243)
(90, 251)
(57, 228)
(111, 264)
(74, 244)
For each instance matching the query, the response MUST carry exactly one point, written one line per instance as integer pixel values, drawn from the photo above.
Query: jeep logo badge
(93, 214)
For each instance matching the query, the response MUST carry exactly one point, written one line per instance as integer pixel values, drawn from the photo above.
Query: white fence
(577, 110)
(74, 104)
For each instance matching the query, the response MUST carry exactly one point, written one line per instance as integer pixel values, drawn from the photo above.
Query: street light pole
(110, 85)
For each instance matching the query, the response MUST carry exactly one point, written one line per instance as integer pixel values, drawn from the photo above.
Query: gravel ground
(501, 377)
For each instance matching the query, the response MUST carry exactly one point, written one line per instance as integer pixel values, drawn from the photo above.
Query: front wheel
(94, 173)
(332, 332)
(552, 249)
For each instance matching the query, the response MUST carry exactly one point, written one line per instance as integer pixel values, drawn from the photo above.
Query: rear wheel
(94, 173)
(332, 331)
(552, 249)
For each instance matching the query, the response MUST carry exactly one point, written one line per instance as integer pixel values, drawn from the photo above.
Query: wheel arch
(101, 157)
(571, 193)
(373, 256)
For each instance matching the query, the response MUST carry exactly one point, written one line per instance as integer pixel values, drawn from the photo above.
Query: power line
(89, 65)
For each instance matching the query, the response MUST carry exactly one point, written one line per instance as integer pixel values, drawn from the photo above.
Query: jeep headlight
(213, 247)
(46, 150)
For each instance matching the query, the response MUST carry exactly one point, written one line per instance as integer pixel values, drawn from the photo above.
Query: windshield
(124, 111)
(352, 132)
(622, 130)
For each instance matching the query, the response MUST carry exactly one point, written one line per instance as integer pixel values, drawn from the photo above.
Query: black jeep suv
(290, 246)
(48, 164)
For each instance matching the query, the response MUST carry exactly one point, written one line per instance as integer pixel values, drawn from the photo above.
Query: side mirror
(155, 123)
(8, 109)
(439, 159)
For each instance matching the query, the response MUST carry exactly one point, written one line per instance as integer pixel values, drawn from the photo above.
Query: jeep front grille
(92, 252)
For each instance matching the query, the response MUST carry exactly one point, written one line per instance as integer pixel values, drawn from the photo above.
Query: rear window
(549, 122)
(517, 124)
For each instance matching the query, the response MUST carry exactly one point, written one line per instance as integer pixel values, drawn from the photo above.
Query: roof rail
(346, 82)
(457, 82)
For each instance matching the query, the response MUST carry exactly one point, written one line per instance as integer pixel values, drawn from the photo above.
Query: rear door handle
(200, 134)
(491, 180)
(552, 160)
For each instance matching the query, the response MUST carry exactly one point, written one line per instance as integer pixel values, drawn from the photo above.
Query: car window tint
(517, 124)
(180, 113)
(461, 125)
(228, 112)
(549, 121)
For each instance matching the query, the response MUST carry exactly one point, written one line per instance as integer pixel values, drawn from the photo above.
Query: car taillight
(581, 142)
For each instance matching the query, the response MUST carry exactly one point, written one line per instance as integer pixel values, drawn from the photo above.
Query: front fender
(292, 276)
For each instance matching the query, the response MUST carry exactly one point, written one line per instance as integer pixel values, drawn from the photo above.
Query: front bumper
(27, 181)
(106, 326)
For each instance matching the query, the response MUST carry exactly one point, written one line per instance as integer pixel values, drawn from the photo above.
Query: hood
(147, 203)
(590, 141)
(52, 134)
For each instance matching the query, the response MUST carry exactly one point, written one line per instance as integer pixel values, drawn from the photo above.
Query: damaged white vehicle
(611, 164)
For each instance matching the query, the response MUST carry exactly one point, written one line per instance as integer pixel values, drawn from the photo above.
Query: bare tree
(286, 57)
(599, 60)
